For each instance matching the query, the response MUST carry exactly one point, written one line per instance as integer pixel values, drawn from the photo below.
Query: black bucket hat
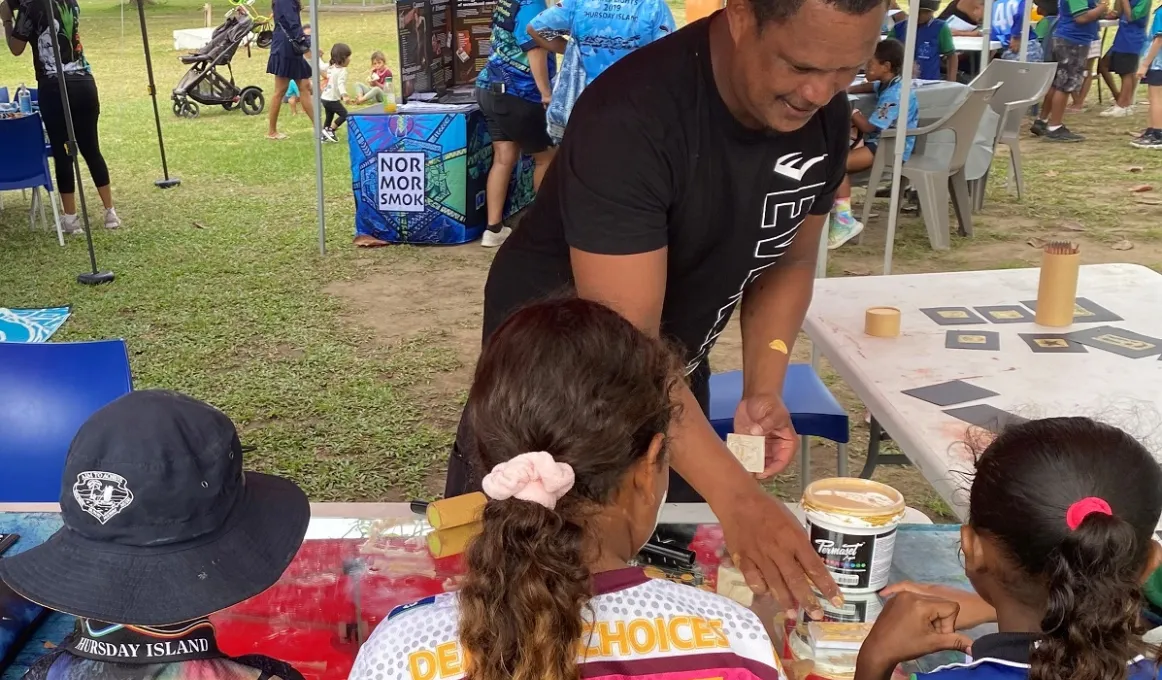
(161, 525)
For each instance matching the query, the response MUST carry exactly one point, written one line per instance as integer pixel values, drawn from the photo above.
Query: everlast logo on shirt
(134, 644)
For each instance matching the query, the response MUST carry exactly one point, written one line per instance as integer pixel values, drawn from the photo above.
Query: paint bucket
(852, 525)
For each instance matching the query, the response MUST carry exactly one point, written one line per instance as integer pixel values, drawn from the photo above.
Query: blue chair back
(814, 410)
(47, 391)
(4, 95)
(25, 158)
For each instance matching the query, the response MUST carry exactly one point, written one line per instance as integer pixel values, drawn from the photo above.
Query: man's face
(786, 71)
(925, 15)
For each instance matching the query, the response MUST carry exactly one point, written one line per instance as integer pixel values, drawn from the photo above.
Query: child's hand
(973, 609)
(909, 627)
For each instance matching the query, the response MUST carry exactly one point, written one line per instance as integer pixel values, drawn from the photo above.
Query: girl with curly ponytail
(570, 407)
(1058, 543)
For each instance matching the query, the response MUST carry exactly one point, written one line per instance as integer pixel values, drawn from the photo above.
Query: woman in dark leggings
(31, 23)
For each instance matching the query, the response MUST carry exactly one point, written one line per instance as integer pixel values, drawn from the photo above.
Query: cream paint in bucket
(852, 525)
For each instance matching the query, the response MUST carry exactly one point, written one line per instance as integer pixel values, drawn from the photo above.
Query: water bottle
(389, 105)
(24, 98)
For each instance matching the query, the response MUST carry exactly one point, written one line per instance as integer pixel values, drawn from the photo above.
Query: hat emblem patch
(102, 494)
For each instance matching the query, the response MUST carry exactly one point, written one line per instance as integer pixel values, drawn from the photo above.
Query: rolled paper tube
(882, 322)
(1057, 287)
(456, 511)
(449, 542)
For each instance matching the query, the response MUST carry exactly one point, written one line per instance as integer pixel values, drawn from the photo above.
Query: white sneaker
(493, 239)
(842, 231)
(71, 224)
(1116, 111)
(111, 219)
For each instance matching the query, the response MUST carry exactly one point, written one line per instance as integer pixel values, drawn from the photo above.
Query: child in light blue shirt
(884, 79)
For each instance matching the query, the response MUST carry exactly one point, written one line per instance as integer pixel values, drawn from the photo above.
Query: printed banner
(420, 178)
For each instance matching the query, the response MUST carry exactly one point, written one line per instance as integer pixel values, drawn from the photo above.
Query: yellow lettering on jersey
(449, 659)
(422, 665)
(676, 626)
(642, 636)
(611, 633)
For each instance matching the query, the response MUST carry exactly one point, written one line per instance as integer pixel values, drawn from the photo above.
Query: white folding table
(1116, 389)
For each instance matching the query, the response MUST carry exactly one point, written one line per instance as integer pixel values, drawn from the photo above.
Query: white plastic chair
(1022, 85)
(936, 177)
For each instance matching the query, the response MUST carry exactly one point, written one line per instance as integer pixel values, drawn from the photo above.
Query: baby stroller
(204, 85)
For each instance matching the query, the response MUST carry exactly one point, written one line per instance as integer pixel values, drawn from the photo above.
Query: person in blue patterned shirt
(513, 90)
(883, 79)
(601, 32)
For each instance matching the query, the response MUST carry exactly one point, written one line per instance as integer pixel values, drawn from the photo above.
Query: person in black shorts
(696, 176)
(513, 90)
(1123, 56)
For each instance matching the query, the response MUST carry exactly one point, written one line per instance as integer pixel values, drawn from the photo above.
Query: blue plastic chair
(47, 391)
(814, 412)
(25, 163)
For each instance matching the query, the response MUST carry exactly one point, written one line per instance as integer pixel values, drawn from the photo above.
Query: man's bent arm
(773, 308)
(635, 287)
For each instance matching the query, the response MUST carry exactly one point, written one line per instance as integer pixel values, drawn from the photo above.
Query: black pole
(168, 181)
(93, 277)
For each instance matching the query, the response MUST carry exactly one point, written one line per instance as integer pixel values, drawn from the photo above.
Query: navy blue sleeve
(287, 18)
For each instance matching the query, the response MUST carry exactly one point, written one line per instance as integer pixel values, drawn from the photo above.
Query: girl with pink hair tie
(1057, 545)
(570, 406)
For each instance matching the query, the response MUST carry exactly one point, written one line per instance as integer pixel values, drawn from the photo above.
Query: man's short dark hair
(781, 10)
(891, 52)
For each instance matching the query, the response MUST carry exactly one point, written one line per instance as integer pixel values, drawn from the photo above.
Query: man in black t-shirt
(695, 174)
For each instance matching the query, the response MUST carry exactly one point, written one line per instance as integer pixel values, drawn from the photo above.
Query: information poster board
(442, 76)
(420, 178)
(472, 34)
(415, 46)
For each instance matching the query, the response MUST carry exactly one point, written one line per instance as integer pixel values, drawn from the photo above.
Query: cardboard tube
(1057, 289)
(882, 322)
(449, 542)
(456, 511)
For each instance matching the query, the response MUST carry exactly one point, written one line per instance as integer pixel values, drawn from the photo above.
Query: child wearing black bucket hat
(161, 529)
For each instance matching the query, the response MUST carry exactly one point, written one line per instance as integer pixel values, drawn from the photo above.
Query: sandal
(278, 136)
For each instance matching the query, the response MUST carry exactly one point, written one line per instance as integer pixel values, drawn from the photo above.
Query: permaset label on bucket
(856, 562)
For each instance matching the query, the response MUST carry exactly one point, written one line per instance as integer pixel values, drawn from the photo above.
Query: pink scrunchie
(533, 477)
(1083, 508)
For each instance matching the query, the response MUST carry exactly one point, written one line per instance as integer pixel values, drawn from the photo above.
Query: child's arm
(909, 627)
(556, 45)
(341, 84)
(1082, 15)
(948, 49)
(974, 611)
(1151, 55)
(539, 63)
(952, 59)
(862, 88)
(862, 124)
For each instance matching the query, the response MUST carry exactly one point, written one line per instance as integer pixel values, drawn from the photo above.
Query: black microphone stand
(167, 182)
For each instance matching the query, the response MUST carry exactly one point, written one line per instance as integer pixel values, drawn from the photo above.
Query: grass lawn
(347, 371)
